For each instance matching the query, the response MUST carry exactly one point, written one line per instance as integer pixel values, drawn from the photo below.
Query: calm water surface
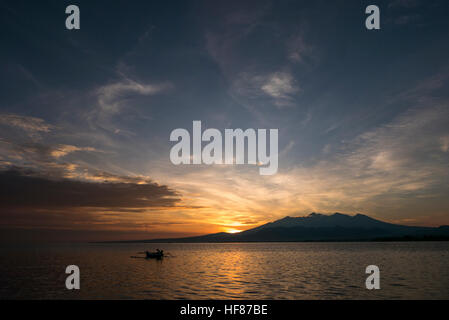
(228, 271)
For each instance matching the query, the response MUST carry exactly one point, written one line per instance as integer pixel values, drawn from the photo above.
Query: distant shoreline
(389, 239)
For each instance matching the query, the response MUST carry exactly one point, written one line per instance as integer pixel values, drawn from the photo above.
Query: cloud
(444, 143)
(111, 96)
(408, 144)
(51, 158)
(29, 124)
(45, 157)
(63, 150)
(280, 86)
(32, 200)
(114, 98)
(21, 188)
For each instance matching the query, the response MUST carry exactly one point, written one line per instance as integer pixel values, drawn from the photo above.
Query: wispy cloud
(444, 143)
(63, 150)
(44, 157)
(116, 97)
(29, 124)
(280, 86)
(112, 96)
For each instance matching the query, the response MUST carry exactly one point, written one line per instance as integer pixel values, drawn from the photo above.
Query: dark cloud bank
(30, 200)
(25, 189)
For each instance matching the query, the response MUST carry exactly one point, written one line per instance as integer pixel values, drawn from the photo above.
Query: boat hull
(150, 255)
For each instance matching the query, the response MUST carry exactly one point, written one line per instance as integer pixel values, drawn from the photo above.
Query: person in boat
(158, 253)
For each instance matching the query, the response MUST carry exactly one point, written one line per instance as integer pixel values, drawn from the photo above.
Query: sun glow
(233, 231)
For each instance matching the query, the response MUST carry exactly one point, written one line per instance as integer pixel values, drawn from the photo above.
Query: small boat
(159, 254)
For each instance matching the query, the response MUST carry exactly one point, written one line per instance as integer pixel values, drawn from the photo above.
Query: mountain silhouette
(320, 227)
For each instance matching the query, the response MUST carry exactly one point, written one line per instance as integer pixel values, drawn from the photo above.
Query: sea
(337, 270)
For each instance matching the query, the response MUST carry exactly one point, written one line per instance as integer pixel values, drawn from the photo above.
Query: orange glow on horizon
(233, 231)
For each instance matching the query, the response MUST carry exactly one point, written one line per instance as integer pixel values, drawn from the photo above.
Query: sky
(86, 115)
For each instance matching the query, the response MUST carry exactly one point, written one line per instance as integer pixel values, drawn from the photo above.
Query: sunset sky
(86, 115)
